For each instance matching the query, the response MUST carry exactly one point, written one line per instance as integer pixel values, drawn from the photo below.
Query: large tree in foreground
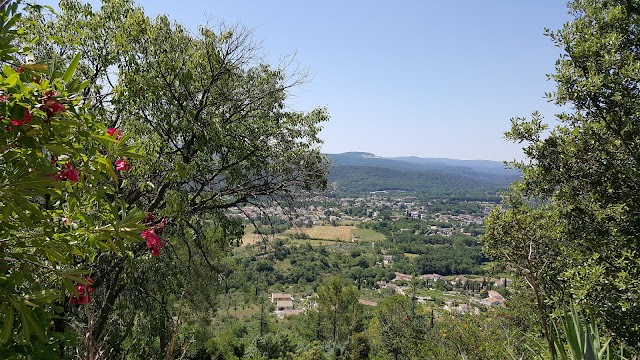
(58, 177)
(588, 166)
(213, 122)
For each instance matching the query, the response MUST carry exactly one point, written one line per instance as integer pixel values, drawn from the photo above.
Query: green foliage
(58, 189)
(586, 169)
(216, 133)
(338, 309)
(484, 337)
(275, 345)
(526, 239)
(313, 353)
(583, 338)
(450, 259)
(397, 328)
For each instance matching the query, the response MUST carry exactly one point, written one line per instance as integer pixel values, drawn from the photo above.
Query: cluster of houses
(284, 303)
(463, 219)
(493, 298)
(327, 211)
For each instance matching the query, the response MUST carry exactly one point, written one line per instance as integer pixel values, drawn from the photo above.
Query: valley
(384, 245)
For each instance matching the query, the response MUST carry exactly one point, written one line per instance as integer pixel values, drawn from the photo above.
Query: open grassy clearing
(239, 312)
(283, 265)
(327, 233)
(367, 235)
(250, 237)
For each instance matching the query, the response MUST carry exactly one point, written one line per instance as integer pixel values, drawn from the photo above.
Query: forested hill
(358, 172)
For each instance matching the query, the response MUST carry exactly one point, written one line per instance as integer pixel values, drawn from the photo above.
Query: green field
(240, 312)
(367, 235)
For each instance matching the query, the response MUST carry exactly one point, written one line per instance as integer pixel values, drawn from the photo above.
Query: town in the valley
(390, 234)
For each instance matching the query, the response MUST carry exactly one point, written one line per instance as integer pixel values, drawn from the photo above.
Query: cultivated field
(332, 233)
(340, 233)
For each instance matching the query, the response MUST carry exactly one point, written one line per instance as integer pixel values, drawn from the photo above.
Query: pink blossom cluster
(152, 234)
(120, 164)
(84, 292)
(26, 117)
(68, 172)
(51, 105)
(113, 130)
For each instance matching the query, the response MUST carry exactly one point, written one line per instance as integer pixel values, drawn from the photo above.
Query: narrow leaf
(7, 326)
(71, 69)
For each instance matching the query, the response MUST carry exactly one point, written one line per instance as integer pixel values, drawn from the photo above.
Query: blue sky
(420, 77)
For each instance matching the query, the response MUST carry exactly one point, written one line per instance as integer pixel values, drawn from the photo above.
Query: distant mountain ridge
(483, 166)
(365, 172)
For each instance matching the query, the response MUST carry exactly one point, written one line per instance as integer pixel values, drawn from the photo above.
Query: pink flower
(113, 130)
(68, 173)
(154, 243)
(17, 122)
(54, 106)
(122, 165)
(51, 104)
(83, 296)
(4, 99)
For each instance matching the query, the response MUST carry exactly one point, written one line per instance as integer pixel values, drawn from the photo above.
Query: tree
(398, 328)
(213, 123)
(339, 309)
(588, 166)
(58, 180)
(491, 335)
(526, 239)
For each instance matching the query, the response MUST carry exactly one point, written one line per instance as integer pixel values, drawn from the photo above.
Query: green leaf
(604, 349)
(58, 149)
(30, 325)
(54, 255)
(7, 326)
(83, 85)
(589, 352)
(572, 335)
(11, 80)
(71, 69)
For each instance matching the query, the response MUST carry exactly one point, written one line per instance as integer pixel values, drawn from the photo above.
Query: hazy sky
(421, 77)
